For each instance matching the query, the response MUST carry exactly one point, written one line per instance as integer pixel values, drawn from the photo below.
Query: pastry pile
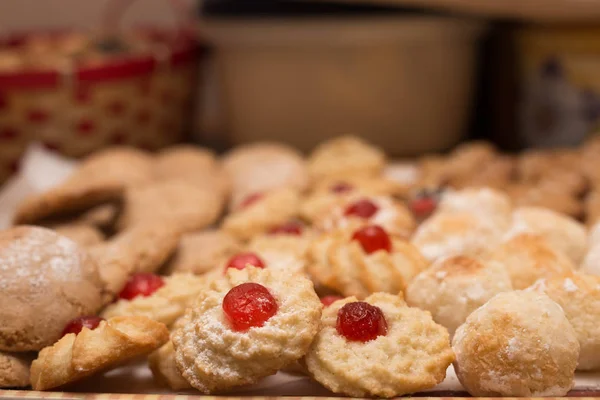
(370, 277)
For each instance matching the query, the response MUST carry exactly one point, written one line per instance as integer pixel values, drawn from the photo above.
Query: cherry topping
(423, 207)
(341, 187)
(142, 284)
(361, 322)
(249, 200)
(88, 321)
(362, 208)
(249, 305)
(329, 300)
(289, 228)
(373, 238)
(240, 260)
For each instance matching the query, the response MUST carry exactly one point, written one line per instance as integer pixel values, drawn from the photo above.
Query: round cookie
(283, 251)
(84, 235)
(213, 351)
(14, 369)
(452, 288)
(164, 369)
(485, 202)
(412, 355)
(46, 280)
(518, 344)
(579, 296)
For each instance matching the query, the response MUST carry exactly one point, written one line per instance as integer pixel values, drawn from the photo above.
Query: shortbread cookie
(164, 369)
(113, 342)
(564, 234)
(199, 252)
(579, 296)
(84, 235)
(261, 212)
(176, 202)
(527, 258)
(283, 251)
(101, 178)
(378, 348)
(517, 344)
(363, 262)
(223, 345)
(166, 304)
(14, 369)
(45, 281)
(345, 156)
(485, 202)
(446, 234)
(452, 288)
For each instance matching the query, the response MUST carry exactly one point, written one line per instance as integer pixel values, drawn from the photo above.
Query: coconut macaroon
(528, 257)
(518, 344)
(452, 288)
(378, 347)
(358, 263)
(262, 211)
(285, 248)
(563, 233)
(223, 345)
(579, 296)
(486, 202)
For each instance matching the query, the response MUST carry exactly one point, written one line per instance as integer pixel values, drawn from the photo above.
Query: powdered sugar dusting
(569, 285)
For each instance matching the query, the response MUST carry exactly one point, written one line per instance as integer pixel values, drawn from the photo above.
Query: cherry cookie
(364, 261)
(345, 156)
(261, 212)
(45, 280)
(14, 369)
(163, 299)
(454, 287)
(251, 324)
(79, 355)
(378, 347)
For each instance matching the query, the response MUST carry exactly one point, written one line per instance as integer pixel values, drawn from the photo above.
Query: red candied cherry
(362, 208)
(329, 300)
(373, 238)
(361, 322)
(239, 261)
(249, 305)
(341, 187)
(289, 228)
(423, 207)
(88, 321)
(249, 200)
(141, 285)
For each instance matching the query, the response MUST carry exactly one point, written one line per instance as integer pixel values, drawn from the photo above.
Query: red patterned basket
(142, 99)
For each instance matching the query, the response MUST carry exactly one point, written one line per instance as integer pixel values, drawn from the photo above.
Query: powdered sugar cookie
(378, 348)
(454, 287)
(113, 342)
(222, 345)
(84, 235)
(45, 280)
(485, 202)
(101, 178)
(261, 212)
(14, 369)
(363, 262)
(518, 344)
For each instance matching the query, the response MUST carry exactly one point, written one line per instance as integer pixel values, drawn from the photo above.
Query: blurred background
(413, 76)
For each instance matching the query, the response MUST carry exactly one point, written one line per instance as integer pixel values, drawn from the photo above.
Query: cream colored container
(405, 83)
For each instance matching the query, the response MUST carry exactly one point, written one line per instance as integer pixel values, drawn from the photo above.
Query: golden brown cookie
(453, 287)
(113, 342)
(101, 178)
(406, 175)
(221, 345)
(466, 159)
(14, 369)
(406, 353)
(84, 235)
(518, 344)
(287, 252)
(496, 173)
(487, 203)
(46, 280)
(164, 369)
(549, 197)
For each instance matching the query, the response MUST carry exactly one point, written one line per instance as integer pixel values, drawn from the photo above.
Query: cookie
(14, 369)
(485, 202)
(103, 216)
(84, 235)
(363, 262)
(166, 304)
(551, 198)
(283, 251)
(405, 174)
(345, 156)
(45, 281)
(261, 212)
(467, 158)
(113, 342)
(199, 252)
(518, 344)
(528, 257)
(564, 234)
(496, 173)
(164, 369)
(101, 178)
(222, 345)
(174, 202)
(397, 350)
(454, 287)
